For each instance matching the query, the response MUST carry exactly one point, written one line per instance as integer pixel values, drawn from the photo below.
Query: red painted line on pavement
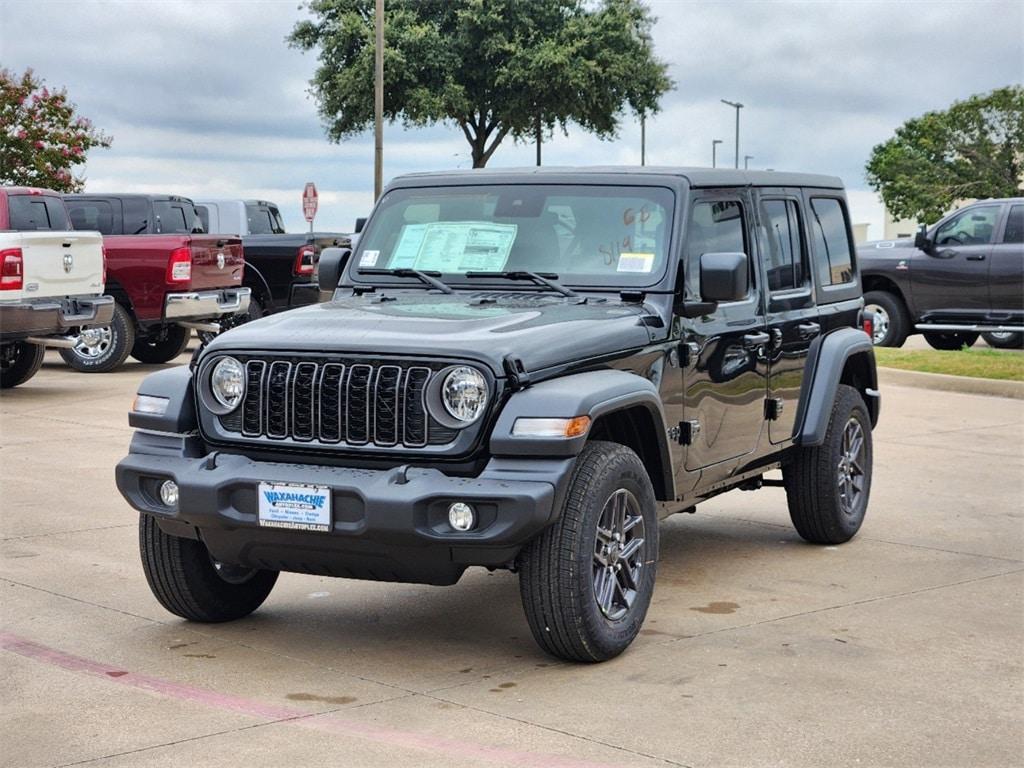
(329, 723)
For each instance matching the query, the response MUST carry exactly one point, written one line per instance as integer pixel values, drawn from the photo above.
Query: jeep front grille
(345, 403)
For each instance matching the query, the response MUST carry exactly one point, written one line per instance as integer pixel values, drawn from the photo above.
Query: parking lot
(900, 648)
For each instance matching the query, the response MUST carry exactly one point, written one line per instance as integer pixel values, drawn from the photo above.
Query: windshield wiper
(429, 277)
(540, 278)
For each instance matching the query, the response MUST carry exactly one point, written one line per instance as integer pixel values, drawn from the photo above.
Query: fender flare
(174, 384)
(594, 394)
(829, 355)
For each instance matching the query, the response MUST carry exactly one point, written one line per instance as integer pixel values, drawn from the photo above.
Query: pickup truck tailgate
(58, 263)
(217, 261)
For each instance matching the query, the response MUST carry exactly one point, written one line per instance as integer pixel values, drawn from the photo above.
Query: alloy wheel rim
(1001, 335)
(618, 555)
(881, 323)
(850, 469)
(94, 342)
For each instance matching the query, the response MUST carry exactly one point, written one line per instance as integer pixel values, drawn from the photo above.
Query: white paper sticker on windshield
(635, 262)
(408, 247)
(369, 258)
(466, 246)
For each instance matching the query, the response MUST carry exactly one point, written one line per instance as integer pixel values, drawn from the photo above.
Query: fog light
(169, 493)
(461, 516)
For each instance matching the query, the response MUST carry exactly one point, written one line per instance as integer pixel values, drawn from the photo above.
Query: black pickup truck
(962, 277)
(280, 267)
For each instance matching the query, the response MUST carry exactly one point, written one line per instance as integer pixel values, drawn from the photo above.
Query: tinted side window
(714, 227)
(37, 212)
(136, 215)
(204, 216)
(260, 222)
(1014, 225)
(172, 218)
(786, 252)
(92, 215)
(833, 252)
(975, 226)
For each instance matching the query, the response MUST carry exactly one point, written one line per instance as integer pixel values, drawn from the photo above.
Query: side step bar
(970, 327)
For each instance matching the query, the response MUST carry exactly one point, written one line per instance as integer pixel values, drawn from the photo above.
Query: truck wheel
(163, 346)
(1007, 340)
(98, 350)
(891, 324)
(827, 486)
(950, 341)
(227, 323)
(586, 581)
(19, 362)
(189, 583)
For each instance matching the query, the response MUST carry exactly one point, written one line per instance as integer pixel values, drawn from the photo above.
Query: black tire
(185, 580)
(100, 350)
(163, 346)
(891, 322)
(255, 312)
(19, 362)
(950, 341)
(818, 507)
(560, 572)
(1004, 340)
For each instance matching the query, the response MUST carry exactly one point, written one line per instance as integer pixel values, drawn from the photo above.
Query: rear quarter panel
(138, 264)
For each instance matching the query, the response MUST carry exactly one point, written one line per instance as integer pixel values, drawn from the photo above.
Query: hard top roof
(695, 177)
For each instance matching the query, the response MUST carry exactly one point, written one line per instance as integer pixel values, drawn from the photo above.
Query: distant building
(860, 233)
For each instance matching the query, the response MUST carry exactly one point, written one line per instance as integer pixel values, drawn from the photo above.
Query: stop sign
(309, 200)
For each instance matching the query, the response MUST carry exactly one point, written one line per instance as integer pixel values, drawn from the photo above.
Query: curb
(966, 384)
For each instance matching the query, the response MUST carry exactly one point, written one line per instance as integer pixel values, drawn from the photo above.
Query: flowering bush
(41, 137)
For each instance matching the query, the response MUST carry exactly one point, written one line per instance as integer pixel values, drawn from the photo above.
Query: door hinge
(773, 407)
(686, 432)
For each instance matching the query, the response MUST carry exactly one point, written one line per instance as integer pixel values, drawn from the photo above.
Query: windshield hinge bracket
(518, 376)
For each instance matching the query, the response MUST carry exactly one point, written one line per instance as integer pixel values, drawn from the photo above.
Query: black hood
(541, 329)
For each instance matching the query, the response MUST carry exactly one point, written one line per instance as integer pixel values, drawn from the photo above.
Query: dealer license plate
(298, 507)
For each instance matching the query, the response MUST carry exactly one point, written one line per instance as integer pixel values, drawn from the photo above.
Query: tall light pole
(378, 102)
(643, 139)
(746, 161)
(737, 106)
(714, 152)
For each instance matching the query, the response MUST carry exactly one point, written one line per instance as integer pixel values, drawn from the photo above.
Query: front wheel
(19, 362)
(949, 341)
(188, 582)
(827, 485)
(890, 318)
(228, 322)
(586, 581)
(1004, 340)
(102, 349)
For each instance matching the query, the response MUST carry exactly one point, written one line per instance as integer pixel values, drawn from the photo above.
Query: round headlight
(464, 394)
(227, 382)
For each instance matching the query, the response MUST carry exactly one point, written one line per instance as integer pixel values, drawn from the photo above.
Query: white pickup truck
(51, 280)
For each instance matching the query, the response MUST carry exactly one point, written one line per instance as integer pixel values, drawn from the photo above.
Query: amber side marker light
(547, 427)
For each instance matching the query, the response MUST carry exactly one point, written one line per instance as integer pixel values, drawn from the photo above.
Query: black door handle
(976, 257)
(759, 339)
(808, 330)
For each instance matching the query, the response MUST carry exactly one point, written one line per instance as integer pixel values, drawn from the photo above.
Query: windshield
(263, 220)
(587, 235)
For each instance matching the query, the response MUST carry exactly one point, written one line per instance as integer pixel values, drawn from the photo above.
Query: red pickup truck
(165, 274)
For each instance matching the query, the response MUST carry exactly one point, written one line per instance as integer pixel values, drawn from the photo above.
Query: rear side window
(263, 220)
(833, 252)
(1015, 225)
(204, 216)
(175, 217)
(37, 212)
(136, 215)
(92, 215)
(787, 260)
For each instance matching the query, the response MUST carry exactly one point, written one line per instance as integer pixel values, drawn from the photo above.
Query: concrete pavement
(903, 647)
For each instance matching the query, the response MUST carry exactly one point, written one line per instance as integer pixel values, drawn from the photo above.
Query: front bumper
(389, 525)
(53, 316)
(206, 305)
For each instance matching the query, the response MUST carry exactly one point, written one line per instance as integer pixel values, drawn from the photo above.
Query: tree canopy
(496, 68)
(974, 149)
(41, 137)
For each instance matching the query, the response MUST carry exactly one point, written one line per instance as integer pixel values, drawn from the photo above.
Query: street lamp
(746, 161)
(737, 106)
(378, 99)
(714, 152)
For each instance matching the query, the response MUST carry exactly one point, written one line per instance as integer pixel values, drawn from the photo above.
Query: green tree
(974, 149)
(496, 68)
(41, 137)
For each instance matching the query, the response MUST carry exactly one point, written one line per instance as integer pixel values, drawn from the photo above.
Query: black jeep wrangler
(523, 370)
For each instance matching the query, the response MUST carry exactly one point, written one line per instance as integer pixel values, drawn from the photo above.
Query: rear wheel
(891, 325)
(828, 485)
(189, 583)
(255, 312)
(586, 581)
(1007, 340)
(949, 341)
(19, 362)
(102, 349)
(162, 346)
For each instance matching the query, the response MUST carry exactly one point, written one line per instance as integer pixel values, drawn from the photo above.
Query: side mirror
(724, 277)
(921, 241)
(360, 223)
(332, 264)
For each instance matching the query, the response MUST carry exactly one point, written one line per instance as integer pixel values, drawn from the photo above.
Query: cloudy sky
(205, 99)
